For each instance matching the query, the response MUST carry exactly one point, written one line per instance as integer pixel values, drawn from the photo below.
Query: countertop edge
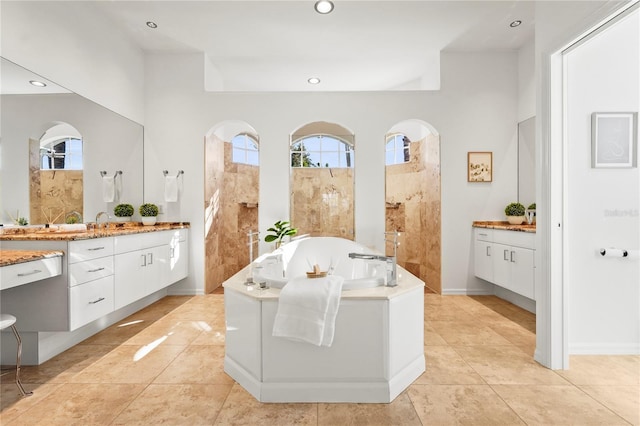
(504, 226)
(15, 257)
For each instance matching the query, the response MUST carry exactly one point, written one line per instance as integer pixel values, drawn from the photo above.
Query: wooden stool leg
(18, 359)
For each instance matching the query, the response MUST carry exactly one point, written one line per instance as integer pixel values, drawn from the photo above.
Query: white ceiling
(362, 45)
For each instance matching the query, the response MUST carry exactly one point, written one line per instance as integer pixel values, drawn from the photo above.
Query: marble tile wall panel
(237, 187)
(322, 201)
(52, 193)
(414, 188)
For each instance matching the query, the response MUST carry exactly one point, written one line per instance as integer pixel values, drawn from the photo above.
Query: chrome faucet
(98, 216)
(392, 274)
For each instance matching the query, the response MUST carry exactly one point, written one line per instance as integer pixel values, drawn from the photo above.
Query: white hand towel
(171, 188)
(307, 309)
(108, 189)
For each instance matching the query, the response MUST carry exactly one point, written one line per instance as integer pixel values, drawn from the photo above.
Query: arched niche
(412, 198)
(231, 199)
(56, 175)
(322, 180)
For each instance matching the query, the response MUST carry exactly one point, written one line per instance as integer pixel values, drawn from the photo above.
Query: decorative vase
(123, 219)
(149, 220)
(516, 220)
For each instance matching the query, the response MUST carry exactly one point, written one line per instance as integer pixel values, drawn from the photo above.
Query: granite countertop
(12, 257)
(41, 233)
(505, 226)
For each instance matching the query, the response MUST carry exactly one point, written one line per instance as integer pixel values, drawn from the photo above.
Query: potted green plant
(149, 213)
(123, 212)
(279, 230)
(515, 213)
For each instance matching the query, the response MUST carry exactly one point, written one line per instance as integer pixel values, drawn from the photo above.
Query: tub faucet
(392, 274)
(98, 216)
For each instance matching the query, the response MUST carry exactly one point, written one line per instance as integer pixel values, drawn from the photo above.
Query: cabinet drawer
(484, 234)
(35, 270)
(90, 270)
(90, 301)
(515, 238)
(79, 251)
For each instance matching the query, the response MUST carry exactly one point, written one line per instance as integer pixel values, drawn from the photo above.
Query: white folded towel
(171, 188)
(307, 309)
(108, 189)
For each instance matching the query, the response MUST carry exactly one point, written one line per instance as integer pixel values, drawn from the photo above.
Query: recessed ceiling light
(37, 83)
(323, 6)
(515, 24)
(152, 24)
(314, 80)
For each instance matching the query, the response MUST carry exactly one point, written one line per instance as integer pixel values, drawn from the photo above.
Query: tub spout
(391, 264)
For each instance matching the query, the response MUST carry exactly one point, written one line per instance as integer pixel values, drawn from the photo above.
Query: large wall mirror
(54, 144)
(527, 161)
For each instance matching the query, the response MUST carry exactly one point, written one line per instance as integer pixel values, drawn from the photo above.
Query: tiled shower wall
(231, 203)
(413, 208)
(52, 193)
(322, 201)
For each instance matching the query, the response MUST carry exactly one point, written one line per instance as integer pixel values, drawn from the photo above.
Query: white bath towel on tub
(307, 309)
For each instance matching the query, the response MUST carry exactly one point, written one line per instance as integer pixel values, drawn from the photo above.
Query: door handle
(24, 274)
(149, 258)
(96, 270)
(513, 256)
(144, 260)
(505, 254)
(96, 301)
(489, 251)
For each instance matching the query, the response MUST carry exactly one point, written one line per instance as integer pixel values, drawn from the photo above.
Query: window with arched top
(61, 154)
(397, 150)
(245, 149)
(321, 151)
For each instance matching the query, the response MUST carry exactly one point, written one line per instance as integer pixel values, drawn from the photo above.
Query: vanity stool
(7, 320)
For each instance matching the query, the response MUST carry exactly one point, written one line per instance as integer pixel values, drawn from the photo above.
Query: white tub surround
(377, 351)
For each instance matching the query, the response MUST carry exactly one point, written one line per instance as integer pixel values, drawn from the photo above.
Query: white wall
(604, 295)
(74, 45)
(476, 110)
(527, 81)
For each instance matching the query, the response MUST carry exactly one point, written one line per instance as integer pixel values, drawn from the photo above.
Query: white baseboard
(467, 292)
(604, 349)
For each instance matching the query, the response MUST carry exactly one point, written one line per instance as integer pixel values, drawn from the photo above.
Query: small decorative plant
(124, 210)
(532, 206)
(22, 221)
(71, 219)
(514, 209)
(279, 230)
(148, 210)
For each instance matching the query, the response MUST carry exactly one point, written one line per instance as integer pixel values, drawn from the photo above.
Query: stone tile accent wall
(231, 203)
(322, 201)
(412, 204)
(56, 192)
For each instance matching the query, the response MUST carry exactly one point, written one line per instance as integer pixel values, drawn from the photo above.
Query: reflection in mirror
(232, 176)
(55, 176)
(527, 161)
(40, 117)
(322, 182)
(412, 199)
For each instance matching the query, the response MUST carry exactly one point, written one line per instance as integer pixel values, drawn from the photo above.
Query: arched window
(61, 154)
(245, 149)
(321, 151)
(397, 149)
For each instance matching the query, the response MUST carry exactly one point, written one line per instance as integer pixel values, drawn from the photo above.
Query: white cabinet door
(130, 277)
(157, 268)
(522, 271)
(483, 260)
(501, 265)
(178, 261)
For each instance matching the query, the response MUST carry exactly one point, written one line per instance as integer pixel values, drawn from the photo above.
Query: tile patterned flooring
(164, 365)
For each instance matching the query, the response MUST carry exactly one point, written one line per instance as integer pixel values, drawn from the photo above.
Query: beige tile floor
(164, 365)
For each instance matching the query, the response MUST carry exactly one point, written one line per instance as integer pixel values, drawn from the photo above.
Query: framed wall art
(479, 166)
(614, 139)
